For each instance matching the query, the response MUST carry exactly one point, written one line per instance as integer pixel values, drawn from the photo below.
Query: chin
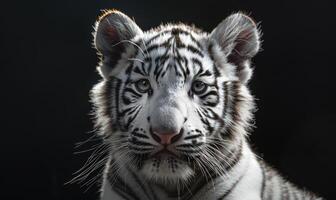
(166, 169)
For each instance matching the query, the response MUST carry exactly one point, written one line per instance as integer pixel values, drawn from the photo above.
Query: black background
(48, 67)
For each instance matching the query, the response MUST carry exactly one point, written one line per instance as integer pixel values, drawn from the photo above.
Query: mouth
(166, 166)
(164, 153)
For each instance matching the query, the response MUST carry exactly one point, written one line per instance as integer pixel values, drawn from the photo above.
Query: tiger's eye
(143, 85)
(199, 87)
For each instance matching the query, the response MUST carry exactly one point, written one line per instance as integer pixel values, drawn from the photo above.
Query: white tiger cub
(175, 110)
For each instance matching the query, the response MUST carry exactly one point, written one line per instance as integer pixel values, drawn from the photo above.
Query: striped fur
(179, 77)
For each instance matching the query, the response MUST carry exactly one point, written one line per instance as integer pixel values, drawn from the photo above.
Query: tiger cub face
(173, 100)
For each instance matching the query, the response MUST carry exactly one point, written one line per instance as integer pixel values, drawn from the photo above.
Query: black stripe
(131, 119)
(226, 98)
(116, 96)
(194, 50)
(208, 127)
(215, 68)
(134, 92)
(196, 42)
(123, 189)
(176, 31)
(140, 149)
(139, 183)
(119, 186)
(141, 143)
(150, 40)
(193, 136)
(157, 75)
(151, 48)
(196, 61)
(210, 113)
(129, 68)
(147, 59)
(187, 65)
(262, 191)
(124, 112)
(149, 67)
(165, 44)
(158, 67)
(138, 71)
(235, 157)
(144, 69)
(190, 145)
(232, 108)
(234, 161)
(210, 104)
(179, 63)
(139, 135)
(206, 73)
(228, 192)
(126, 100)
(133, 110)
(189, 48)
(214, 93)
(189, 152)
(156, 36)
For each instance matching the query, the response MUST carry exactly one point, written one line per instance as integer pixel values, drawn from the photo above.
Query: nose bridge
(167, 115)
(169, 97)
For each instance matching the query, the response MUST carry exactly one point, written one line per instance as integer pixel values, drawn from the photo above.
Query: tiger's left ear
(239, 39)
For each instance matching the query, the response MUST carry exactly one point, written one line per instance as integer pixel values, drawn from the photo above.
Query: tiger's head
(173, 100)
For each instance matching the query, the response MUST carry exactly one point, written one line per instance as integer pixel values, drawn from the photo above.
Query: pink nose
(165, 138)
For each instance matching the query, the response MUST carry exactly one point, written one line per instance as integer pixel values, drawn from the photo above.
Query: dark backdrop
(48, 67)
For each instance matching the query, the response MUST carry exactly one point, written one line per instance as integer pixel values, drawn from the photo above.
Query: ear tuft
(239, 38)
(112, 31)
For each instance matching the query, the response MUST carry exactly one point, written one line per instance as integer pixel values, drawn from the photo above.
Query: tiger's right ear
(112, 30)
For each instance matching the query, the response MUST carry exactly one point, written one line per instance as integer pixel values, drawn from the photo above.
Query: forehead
(176, 48)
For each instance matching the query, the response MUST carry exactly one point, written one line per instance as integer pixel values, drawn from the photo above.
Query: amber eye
(143, 85)
(199, 87)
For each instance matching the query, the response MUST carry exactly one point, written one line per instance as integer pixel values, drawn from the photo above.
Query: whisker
(136, 59)
(131, 42)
